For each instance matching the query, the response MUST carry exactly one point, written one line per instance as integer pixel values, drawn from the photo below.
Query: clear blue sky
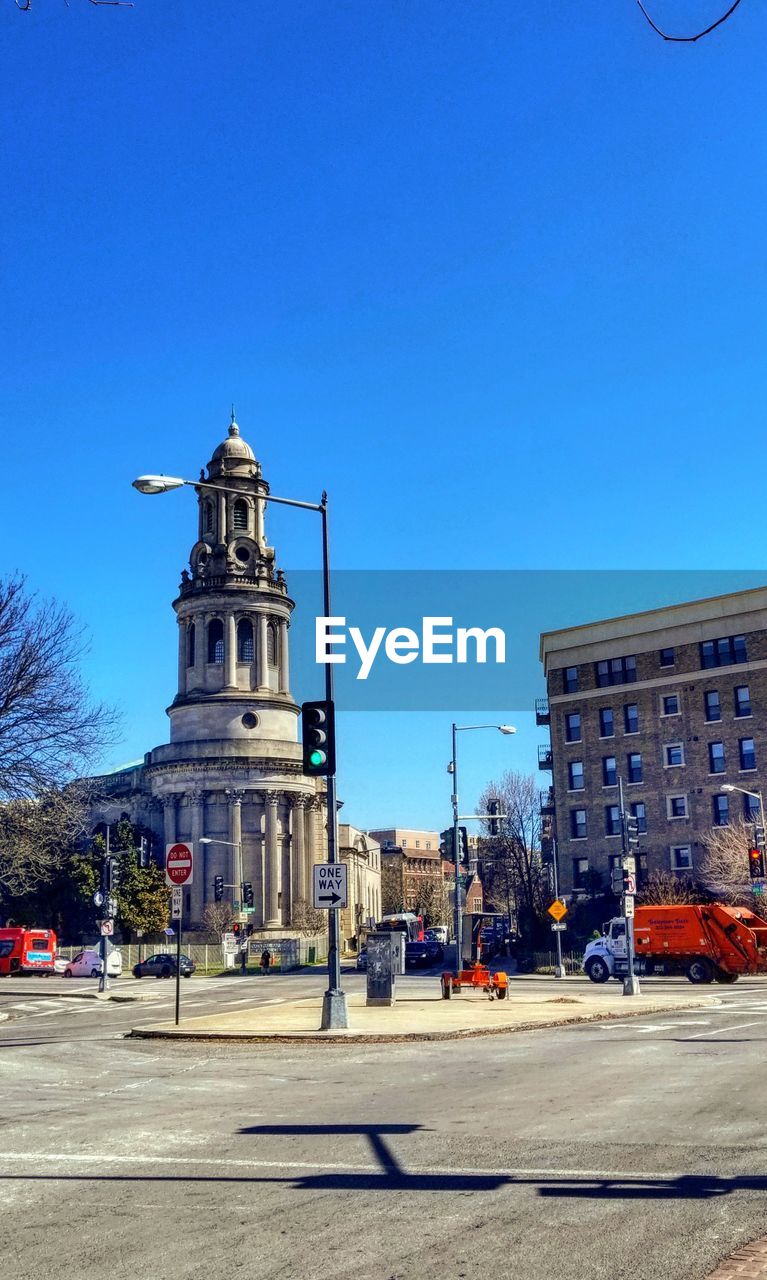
(492, 273)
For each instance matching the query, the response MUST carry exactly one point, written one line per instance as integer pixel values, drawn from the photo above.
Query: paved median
(418, 1019)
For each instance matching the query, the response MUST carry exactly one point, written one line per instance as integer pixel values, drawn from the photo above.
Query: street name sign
(557, 909)
(179, 864)
(329, 885)
(176, 902)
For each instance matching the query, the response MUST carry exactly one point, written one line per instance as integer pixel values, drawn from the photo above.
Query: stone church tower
(232, 769)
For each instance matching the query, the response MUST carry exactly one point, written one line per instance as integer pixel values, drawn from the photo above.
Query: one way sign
(329, 886)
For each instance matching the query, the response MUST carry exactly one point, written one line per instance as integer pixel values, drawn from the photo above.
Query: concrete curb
(351, 1036)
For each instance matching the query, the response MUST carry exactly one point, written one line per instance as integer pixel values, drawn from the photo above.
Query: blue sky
(492, 274)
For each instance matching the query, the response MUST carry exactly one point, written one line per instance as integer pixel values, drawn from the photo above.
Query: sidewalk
(418, 1019)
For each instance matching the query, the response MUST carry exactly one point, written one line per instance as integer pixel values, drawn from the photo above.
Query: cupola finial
(234, 430)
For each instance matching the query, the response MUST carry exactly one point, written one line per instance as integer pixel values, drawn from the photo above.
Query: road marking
(740, 1026)
(187, 1160)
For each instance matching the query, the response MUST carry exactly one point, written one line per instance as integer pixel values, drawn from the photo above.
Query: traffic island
(299, 1021)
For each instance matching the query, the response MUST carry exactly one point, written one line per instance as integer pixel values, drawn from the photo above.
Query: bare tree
(392, 882)
(49, 729)
(36, 835)
(217, 917)
(512, 860)
(434, 900)
(307, 920)
(724, 867)
(663, 888)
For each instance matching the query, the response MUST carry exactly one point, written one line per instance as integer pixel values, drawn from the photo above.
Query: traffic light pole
(631, 981)
(334, 1012)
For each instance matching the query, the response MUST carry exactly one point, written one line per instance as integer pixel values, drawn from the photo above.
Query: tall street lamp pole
(757, 795)
(237, 860)
(463, 728)
(334, 1010)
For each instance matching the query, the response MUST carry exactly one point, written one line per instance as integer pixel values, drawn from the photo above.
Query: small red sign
(179, 863)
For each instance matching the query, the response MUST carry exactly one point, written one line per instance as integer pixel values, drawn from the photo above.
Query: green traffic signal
(317, 758)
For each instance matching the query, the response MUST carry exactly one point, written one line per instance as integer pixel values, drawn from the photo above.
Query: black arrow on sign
(328, 897)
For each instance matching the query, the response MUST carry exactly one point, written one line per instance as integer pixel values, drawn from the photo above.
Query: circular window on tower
(249, 720)
(242, 554)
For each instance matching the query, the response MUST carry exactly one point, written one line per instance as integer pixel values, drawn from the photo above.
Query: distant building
(673, 702)
(410, 859)
(362, 855)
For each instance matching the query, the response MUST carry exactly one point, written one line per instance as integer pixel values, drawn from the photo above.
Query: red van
(25, 951)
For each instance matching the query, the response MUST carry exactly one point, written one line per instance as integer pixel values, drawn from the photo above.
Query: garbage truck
(706, 942)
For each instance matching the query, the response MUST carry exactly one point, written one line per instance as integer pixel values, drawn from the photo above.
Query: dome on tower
(233, 454)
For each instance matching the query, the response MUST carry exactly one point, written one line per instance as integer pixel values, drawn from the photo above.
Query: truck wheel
(726, 978)
(446, 993)
(700, 970)
(597, 969)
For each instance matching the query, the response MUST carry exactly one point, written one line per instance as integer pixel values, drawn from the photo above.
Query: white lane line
(187, 1160)
(740, 1026)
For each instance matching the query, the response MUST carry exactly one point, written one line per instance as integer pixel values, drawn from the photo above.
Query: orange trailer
(707, 941)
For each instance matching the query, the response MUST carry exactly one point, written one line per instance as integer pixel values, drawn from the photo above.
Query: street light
(334, 1011)
(507, 730)
(757, 795)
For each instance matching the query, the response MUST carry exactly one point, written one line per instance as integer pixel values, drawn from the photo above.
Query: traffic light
(493, 808)
(759, 841)
(446, 844)
(218, 888)
(236, 928)
(247, 893)
(113, 874)
(756, 863)
(463, 844)
(318, 737)
(616, 879)
(145, 852)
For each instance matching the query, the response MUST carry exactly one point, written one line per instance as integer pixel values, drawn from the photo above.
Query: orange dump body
(732, 938)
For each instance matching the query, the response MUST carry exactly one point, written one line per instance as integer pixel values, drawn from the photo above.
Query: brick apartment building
(412, 857)
(674, 703)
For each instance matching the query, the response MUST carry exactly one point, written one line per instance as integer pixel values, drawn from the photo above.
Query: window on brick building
(747, 753)
(716, 757)
(681, 857)
(634, 766)
(578, 824)
(666, 657)
(609, 771)
(676, 807)
(575, 779)
(725, 652)
(612, 820)
(670, 704)
(570, 680)
(639, 811)
(606, 723)
(673, 754)
(742, 701)
(580, 872)
(616, 671)
(573, 726)
(631, 717)
(721, 807)
(713, 706)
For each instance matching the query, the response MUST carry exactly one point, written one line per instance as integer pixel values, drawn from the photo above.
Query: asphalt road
(615, 1149)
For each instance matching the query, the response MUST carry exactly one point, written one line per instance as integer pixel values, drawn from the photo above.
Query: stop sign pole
(179, 873)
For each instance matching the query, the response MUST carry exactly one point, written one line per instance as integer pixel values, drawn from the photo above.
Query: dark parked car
(163, 965)
(423, 954)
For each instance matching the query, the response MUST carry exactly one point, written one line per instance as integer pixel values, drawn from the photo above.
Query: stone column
(298, 849)
(272, 867)
(200, 648)
(230, 653)
(183, 633)
(260, 538)
(199, 883)
(310, 850)
(262, 667)
(235, 835)
(222, 517)
(169, 821)
(284, 682)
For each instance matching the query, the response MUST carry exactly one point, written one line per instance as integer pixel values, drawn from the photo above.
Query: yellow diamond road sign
(557, 909)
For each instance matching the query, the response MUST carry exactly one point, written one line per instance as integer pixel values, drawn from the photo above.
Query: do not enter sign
(179, 863)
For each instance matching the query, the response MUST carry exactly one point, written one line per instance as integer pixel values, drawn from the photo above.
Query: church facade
(230, 778)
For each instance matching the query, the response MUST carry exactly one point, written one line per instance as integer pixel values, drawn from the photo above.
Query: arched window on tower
(240, 514)
(216, 641)
(190, 645)
(207, 517)
(271, 645)
(244, 640)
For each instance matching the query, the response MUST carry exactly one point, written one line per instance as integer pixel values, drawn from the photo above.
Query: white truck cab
(605, 957)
